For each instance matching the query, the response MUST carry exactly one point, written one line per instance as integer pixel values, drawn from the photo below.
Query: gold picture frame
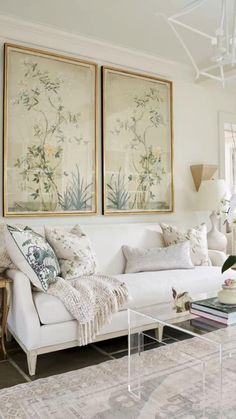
(50, 134)
(137, 120)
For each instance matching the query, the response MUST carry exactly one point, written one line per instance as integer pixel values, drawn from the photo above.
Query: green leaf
(228, 263)
(18, 163)
(35, 195)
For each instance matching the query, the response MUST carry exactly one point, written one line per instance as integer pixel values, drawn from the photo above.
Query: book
(213, 306)
(206, 325)
(210, 316)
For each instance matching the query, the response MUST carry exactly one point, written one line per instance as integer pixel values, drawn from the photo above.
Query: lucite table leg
(135, 349)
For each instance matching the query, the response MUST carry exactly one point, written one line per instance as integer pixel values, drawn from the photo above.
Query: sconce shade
(202, 172)
(210, 194)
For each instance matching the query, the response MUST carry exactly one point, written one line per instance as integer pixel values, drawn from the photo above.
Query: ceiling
(135, 24)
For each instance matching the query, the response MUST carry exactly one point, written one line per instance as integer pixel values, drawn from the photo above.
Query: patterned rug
(175, 383)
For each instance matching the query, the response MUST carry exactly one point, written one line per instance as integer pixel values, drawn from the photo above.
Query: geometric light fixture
(202, 172)
(222, 41)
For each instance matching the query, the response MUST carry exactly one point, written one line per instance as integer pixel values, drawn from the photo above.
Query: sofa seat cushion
(50, 309)
(145, 288)
(148, 288)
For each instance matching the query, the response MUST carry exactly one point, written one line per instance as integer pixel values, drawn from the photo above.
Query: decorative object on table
(33, 255)
(228, 293)
(197, 237)
(4, 308)
(137, 143)
(181, 301)
(50, 111)
(140, 259)
(210, 194)
(202, 172)
(213, 309)
(74, 251)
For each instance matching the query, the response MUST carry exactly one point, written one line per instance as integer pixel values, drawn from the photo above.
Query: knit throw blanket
(91, 300)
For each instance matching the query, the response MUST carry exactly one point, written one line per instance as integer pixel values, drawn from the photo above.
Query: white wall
(195, 109)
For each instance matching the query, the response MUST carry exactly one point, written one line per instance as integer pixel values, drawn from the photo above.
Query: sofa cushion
(145, 288)
(74, 251)
(107, 241)
(32, 255)
(198, 241)
(50, 309)
(139, 259)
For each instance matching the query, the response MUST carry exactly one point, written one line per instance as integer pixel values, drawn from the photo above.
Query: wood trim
(4, 282)
(43, 35)
(147, 76)
(64, 58)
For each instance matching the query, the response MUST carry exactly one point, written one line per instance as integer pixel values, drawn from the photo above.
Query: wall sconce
(202, 172)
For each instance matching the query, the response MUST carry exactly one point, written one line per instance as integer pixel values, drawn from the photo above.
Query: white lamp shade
(210, 194)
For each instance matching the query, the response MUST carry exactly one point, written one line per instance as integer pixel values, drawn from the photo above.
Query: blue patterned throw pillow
(33, 255)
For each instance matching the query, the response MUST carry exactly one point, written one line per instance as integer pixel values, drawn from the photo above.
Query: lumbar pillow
(198, 241)
(74, 251)
(32, 255)
(157, 258)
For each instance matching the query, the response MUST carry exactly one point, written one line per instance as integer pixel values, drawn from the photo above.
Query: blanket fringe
(92, 300)
(86, 333)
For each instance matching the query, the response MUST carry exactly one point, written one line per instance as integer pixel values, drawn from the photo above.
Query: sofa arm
(217, 257)
(23, 318)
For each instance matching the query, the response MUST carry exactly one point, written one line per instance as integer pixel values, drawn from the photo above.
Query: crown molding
(20, 31)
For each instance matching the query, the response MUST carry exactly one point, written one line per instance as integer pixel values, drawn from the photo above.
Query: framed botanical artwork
(137, 143)
(50, 145)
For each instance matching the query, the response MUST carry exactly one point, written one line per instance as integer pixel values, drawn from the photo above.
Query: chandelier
(222, 61)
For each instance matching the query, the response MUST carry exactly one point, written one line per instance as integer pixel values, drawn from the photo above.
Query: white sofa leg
(32, 361)
(159, 333)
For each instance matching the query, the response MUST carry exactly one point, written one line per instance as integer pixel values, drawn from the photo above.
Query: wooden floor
(13, 370)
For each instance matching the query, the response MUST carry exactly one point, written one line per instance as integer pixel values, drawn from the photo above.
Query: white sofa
(41, 323)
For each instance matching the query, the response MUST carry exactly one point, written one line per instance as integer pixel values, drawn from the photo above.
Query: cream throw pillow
(198, 241)
(74, 251)
(157, 258)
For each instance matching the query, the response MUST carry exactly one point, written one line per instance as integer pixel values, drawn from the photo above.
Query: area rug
(174, 383)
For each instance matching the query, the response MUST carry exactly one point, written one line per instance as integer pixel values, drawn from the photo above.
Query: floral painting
(137, 143)
(49, 134)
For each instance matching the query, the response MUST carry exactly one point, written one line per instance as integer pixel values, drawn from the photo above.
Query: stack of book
(212, 309)
(203, 325)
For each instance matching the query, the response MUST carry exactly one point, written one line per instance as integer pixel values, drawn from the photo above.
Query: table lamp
(210, 193)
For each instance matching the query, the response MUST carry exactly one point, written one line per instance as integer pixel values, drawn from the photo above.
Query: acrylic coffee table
(168, 314)
(193, 377)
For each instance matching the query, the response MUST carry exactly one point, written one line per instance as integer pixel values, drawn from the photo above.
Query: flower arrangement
(230, 283)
